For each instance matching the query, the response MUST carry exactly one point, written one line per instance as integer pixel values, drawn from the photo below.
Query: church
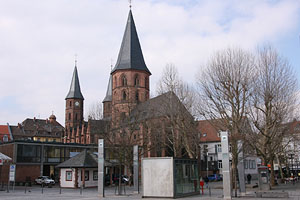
(128, 110)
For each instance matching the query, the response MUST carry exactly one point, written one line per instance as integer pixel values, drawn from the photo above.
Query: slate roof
(75, 92)
(163, 105)
(37, 127)
(84, 159)
(130, 55)
(108, 96)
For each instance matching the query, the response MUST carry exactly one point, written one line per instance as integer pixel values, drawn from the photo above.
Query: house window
(76, 116)
(205, 148)
(252, 164)
(246, 164)
(70, 103)
(220, 166)
(219, 148)
(95, 175)
(69, 116)
(86, 175)
(68, 175)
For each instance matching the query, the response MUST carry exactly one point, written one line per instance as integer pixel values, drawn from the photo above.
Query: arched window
(124, 95)
(76, 116)
(137, 96)
(136, 80)
(146, 82)
(124, 80)
(69, 116)
(70, 103)
(115, 82)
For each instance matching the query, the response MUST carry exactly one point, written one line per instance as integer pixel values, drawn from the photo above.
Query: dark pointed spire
(130, 55)
(108, 96)
(75, 92)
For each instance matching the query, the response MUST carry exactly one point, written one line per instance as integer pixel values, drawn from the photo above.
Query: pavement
(37, 193)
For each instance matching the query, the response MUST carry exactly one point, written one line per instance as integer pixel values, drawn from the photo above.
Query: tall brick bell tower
(129, 81)
(74, 109)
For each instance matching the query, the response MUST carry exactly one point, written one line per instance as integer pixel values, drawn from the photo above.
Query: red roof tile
(4, 131)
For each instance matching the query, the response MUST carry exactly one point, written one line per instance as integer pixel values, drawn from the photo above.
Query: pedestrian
(249, 178)
(206, 181)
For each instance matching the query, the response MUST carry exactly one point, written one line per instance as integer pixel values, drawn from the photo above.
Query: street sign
(12, 171)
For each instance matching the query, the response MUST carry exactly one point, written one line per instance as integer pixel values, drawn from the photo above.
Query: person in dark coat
(249, 178)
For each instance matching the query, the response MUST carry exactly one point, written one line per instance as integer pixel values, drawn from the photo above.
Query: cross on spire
(130, 4)
(75, 59)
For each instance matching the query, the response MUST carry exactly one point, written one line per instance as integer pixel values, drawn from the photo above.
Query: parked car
(214, 177)
(46, 180)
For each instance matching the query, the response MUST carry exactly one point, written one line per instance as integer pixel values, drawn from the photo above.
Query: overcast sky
(39, 38)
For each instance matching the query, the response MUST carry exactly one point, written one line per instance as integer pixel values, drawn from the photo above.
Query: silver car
(46, 180)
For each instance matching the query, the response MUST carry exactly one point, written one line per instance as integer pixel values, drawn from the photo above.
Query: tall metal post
(101, 168)
(225, 165)
(136, 168)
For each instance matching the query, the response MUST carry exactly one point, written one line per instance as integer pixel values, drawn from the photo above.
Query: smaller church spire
(75, 92)
(108, 96)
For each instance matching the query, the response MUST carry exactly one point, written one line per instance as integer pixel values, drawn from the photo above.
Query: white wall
(91, 182)
(157, 177)
(63, 182)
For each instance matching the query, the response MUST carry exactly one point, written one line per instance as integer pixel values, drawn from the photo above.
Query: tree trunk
(272, 177)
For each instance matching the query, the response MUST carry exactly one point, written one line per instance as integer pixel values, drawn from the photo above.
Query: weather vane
(130, 4)
(111, 64)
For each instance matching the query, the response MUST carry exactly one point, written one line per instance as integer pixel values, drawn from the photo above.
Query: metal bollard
(209, 191)
(59, 190)
(25, 188)
(42, 188)
(81, 190)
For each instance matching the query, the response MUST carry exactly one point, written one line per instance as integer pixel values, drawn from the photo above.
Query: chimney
(47, 121)
(34, 119)
(19, 126)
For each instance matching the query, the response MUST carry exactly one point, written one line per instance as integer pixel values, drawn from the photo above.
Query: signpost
(12, 172)
(136, 168)
(226, 167)
(101, 168)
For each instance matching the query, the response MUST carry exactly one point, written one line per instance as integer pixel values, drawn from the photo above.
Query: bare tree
(95, 111)
(224, 90)
(171, 82)
(180, 130)
(273, 101)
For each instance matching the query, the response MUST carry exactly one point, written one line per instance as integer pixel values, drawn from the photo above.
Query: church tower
(74, 107)
(130, 76)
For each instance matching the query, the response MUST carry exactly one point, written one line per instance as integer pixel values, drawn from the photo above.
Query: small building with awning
(80, 170)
